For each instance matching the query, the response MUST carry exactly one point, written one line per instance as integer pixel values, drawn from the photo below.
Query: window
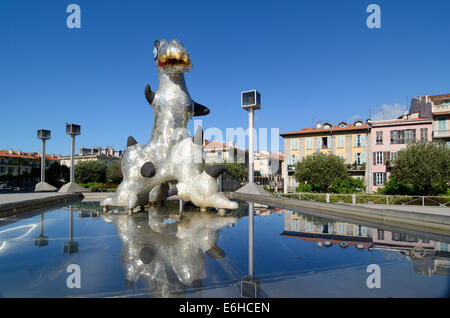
(342, 124)
(358, 124)
(2, 169)
(442, 123)
(294, 144)
(359, 140)
(309, 143)
(10, 169)
(379, 160)
(379, 178)
(423, 134)
(318, 143)
(358, 158)
(340, 141)
(341, 156)
(393, 156)
(403, 136)
(292, 160)
(379, 139)
(325, 144)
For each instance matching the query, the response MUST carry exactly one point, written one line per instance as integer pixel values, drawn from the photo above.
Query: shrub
(114, 172)
(90, 171)
(320, 171)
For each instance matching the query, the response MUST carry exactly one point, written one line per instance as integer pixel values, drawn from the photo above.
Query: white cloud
(390, 112)
(354, 118)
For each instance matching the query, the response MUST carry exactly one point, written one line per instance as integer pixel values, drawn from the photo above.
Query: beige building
(218, 152)
(107, 155)
(351, 142)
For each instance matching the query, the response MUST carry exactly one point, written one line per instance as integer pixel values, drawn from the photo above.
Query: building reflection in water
(428, 257)
(167, 251)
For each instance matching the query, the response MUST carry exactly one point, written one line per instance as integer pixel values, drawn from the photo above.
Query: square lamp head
(251, 99)
(73, 130)
(43, 134)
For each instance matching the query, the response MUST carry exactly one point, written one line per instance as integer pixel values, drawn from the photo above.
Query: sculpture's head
(171, 57)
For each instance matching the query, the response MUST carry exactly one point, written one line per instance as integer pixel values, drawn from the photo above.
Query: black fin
(149, 94)
(215, 252)
(172, 191)
(200, 110)
(215, 171)
(148, 169)
(198, 138)
(131, 141)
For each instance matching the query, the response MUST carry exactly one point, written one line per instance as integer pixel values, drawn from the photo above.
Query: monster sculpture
(171, 155)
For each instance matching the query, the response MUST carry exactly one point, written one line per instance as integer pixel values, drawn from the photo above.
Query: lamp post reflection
(71, 246)
(41, 240)
(250, 286)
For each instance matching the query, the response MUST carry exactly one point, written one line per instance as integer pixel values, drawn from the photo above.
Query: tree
(320, 171)
(114, 173)
(57, 174)
(423, 167)
(90, 171)
(237, 170)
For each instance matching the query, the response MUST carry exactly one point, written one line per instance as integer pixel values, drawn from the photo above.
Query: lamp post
(250, 101)
(72, 130)
(43, 135)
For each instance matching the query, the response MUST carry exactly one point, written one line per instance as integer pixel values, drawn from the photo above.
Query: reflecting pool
(163, 252)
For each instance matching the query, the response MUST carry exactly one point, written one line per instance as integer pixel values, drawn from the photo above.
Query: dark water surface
(159, 253)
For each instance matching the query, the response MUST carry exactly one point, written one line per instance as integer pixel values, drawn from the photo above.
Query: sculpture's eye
(155, 52)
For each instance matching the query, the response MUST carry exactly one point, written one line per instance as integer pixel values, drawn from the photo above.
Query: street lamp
(250, 101)
(43, 135)
(72, 130)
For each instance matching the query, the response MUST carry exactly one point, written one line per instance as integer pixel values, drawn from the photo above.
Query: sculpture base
(44, 186)
(253, 188)
(72, 187)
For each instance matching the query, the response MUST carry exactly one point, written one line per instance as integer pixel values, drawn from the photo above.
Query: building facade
(106, 155)
(351, 142)
(440, 105)
(11, 162)
(389, 137)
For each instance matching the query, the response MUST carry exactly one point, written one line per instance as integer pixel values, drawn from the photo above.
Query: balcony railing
(441, 108)
(441, 133)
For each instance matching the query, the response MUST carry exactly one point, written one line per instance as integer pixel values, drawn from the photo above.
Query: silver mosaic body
(171, 149)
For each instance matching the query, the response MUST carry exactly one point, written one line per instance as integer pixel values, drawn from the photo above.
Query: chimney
(319, 125)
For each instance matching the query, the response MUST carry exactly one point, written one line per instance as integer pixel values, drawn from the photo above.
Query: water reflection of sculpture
(171, 154)
(168, 255)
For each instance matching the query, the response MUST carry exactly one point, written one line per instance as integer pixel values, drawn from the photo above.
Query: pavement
(14, 203)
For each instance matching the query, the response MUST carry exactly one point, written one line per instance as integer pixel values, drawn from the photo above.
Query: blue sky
(311, 60)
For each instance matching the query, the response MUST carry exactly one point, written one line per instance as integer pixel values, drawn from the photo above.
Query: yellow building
(351, 142)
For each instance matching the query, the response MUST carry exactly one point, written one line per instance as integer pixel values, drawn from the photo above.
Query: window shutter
(388, 156)
(354, 140)
(363, 140)
(363, 158)
(374, 158)
(384, 177)
(374, 178)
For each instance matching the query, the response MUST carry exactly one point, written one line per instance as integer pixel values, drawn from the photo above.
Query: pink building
(390, 136)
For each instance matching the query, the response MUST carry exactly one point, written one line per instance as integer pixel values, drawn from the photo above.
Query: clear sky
(311, 60)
